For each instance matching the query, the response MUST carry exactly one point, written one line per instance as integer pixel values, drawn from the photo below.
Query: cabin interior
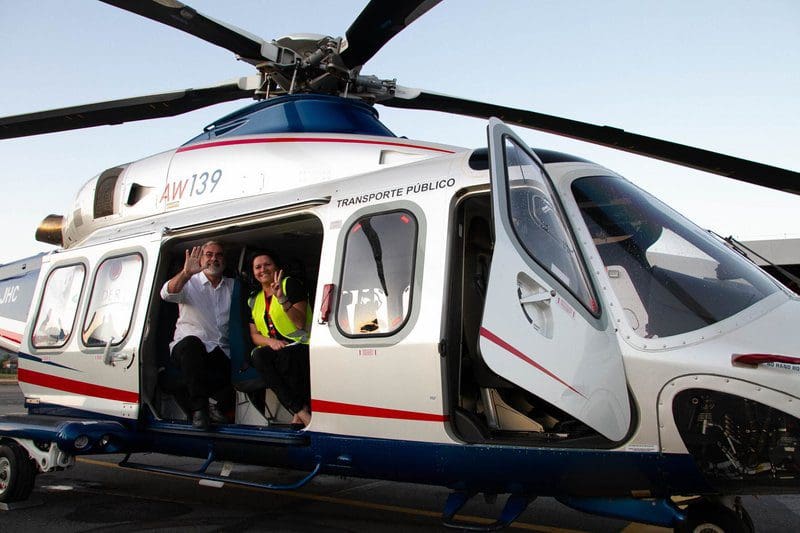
(297, 241)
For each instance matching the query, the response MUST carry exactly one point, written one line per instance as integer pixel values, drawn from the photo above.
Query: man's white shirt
(204, 311)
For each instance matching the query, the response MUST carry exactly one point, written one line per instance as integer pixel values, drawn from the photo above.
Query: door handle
(111, 358)
(542, 297)
(534, 300)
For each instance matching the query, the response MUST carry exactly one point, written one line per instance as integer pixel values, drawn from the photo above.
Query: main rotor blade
(377, 24)
(688, 156)
(187, 19)
(119, 111)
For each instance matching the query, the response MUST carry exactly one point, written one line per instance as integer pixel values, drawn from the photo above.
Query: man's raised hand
(192, 264)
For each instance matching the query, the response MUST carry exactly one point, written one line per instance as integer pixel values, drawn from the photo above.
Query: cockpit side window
(377, 275)
(59, 305)
(670, 276)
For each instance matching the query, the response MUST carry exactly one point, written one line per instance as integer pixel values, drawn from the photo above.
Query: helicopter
(578, 338)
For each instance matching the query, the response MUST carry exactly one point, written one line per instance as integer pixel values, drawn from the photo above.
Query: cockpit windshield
(670, 276)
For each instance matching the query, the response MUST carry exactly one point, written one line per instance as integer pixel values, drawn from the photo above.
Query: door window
(539, 225)
(116, 284)
(378, 274)
(59, 305)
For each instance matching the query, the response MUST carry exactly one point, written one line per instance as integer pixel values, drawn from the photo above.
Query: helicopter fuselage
(471, 352)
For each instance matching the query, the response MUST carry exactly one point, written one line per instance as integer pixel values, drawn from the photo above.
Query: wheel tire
(708, 517)
(17, 473)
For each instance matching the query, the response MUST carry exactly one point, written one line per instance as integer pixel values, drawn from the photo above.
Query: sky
(723, 75)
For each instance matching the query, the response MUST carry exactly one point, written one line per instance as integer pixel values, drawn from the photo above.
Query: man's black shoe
(200, 419)
(216, 415)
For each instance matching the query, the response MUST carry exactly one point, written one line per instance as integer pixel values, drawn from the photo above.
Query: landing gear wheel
(17, 473)
(710, 517)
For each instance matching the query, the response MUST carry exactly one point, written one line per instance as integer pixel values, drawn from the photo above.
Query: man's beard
(213, 269)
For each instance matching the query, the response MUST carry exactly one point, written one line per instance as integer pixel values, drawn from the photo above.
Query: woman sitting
(279, 327)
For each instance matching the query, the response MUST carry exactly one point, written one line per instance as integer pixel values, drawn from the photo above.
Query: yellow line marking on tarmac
(643, 528)
(632, 528)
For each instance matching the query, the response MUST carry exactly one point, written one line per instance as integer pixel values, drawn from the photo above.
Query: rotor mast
(309, 63)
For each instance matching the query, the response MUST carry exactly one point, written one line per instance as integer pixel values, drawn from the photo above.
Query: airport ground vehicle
(552, 320)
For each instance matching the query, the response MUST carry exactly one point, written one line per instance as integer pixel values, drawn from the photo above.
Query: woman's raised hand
(277, 289)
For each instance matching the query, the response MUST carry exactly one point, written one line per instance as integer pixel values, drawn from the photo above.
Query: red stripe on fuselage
(76, 387)
(233, 142)
(10, 335)
(337, 408)
(485, 333)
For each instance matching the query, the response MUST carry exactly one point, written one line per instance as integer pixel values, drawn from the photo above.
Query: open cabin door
(541, 326)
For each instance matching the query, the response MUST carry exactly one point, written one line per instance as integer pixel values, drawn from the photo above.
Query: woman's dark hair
(264, 251)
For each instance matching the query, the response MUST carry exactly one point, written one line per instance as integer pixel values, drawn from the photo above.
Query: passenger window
(56, 317)
(116, 284)
(540, 226)
(377, 275)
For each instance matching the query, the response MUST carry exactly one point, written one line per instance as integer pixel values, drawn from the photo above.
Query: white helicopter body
(499, 320)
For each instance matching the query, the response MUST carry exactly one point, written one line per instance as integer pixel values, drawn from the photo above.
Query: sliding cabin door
(81, 348)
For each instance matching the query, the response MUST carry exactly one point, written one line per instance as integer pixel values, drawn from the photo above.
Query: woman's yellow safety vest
(280, 319)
